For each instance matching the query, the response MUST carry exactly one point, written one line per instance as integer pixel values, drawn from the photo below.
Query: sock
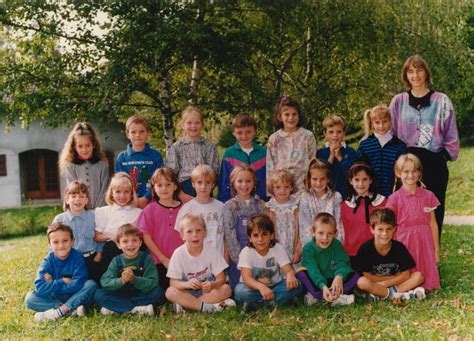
(60, 311)
(391, 291)
(207, 307)
(389, 294)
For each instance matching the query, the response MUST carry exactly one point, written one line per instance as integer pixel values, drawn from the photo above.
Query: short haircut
(282, 175)
(58, 226)
(324, 218)
(190, 218)
(203, 171)
(418, 62)
(137, 119)
(335, 119)
(128, 230)
(242, 120)
(121, 179)
(168, 174)
(75, 187)
(243, 167)
(262, 222)
(382, 216)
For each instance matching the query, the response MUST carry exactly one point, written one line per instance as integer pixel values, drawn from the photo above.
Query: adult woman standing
(425, 120)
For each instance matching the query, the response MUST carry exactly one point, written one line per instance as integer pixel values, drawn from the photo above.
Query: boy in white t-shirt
(196, 271)
(261, 264)
(203, 179)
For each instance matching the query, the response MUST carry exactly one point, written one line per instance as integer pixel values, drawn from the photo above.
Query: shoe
(48, 315)
(404, 296)
(143, 310)
(309, 300)
(250, 306)
(343, 300)
(224, 305)
(178, 309)
(105, 311)
(372, 298)
(79, 311)
(419, 293)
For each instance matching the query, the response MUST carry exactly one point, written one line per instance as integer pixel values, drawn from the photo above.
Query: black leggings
(435, 177)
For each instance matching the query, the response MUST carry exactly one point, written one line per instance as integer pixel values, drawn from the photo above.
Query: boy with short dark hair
(385, 263)
(139, 160)
(245, 150)
(61, 284)
(336, 152)
(131, 281)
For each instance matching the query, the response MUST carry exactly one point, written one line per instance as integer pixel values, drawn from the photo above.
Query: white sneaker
(309, 299)
(226, 304)
(401, 296)
(343, 300)
(178, 309)
(79, 311)
(144, 310)
(48, 315)
(105, 311)
(419, 293)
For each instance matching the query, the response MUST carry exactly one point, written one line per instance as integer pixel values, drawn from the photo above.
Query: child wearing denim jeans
(261, 264)
(61, 285)
(131, 281)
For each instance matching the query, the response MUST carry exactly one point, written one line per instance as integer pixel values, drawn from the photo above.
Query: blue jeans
(122, 303)
(72, 301)
(243, 293)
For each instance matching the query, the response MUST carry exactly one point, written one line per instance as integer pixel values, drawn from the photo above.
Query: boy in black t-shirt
(385, 263)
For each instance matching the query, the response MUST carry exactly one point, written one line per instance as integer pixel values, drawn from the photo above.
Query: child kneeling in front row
(196, 271)
(261, 264)
(61, 285)
(130, 284)
(326, 272)
(386, 263)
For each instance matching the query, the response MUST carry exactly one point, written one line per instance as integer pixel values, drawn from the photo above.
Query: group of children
(290, 220)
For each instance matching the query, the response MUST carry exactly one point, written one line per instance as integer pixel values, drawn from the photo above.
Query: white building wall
(18, 140)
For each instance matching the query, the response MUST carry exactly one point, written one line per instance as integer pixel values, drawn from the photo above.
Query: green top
(111, 279)
(322, 264)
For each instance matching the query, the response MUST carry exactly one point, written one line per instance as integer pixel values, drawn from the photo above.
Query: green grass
(460, 194)
(448, 313)
(27, 220)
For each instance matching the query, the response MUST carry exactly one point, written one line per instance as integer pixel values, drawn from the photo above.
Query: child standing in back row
(291, 147)
(139, 160)
(379, 148)
(191, 150)
(338, 155)
(417, 228)
(245, 150)
(82, 159)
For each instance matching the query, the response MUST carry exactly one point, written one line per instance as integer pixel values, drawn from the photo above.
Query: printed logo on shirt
(388, 269)
(426, 135)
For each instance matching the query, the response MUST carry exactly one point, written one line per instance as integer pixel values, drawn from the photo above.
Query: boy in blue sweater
(61, 285)
(139, 160)
(245, 150)
(336, 152)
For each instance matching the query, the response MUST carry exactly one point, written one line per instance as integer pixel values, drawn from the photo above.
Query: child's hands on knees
(47, 277)
(98, 257)
(291, 281)
(207, 286)
(127, 276)
(267, 293)
(194, 284)
(337, 286)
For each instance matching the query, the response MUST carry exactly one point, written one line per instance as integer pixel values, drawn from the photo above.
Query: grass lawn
(460, 194)
(448, 313)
